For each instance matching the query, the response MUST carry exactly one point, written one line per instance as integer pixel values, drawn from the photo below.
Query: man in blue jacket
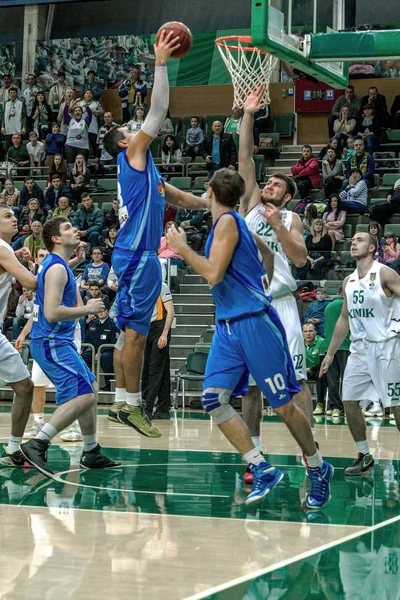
(89, 221)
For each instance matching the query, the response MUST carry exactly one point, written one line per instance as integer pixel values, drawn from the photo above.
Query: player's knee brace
(215, 402)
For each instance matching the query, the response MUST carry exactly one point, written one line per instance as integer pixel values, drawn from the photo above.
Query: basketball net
(248, 66)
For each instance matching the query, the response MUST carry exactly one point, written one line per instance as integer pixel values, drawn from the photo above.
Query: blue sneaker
(320, 492)
(266, 477)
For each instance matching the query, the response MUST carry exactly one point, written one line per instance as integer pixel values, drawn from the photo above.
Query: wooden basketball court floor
(171, 523)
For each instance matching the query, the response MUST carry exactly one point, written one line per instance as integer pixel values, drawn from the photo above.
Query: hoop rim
(239, 38)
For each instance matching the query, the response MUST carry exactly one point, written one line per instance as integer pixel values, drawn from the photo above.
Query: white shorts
(373, 373)
(12, 368)
(286, 308)
(38, 377)
(120, 341)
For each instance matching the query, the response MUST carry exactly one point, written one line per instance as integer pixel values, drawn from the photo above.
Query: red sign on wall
(315, 97)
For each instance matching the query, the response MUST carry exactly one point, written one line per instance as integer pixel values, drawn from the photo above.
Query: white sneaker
(73, 434)
(33, 431)
(374, 411)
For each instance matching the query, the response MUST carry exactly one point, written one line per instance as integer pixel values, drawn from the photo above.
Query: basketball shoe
(320, 492)
(135, 417)
(266, 477)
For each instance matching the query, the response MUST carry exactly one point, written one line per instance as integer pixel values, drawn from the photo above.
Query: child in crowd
(36, 153)
(391, 249)
(315, 311)
(194, 139)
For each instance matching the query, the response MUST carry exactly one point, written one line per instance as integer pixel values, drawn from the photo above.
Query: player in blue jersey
(247, 327)
(52, 345)
(142, 194)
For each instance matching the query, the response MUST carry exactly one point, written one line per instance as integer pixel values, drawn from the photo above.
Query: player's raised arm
(14, 267)
(268, 255)
(183, 199)
(246, 148)
(55, 282)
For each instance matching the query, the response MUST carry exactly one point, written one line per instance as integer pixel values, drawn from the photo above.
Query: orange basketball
(180, 30)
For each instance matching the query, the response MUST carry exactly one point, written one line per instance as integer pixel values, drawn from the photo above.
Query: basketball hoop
(248, 66)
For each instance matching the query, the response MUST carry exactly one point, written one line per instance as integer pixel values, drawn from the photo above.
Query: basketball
(180, 30)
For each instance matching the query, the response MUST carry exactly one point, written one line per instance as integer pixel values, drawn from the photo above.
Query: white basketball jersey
(372, 315)
(5, 285)
(283, 282)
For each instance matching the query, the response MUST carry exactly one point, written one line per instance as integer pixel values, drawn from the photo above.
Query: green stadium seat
(109, 185)
(259, 166)
(332, 286)
(284, 124)
(393, 227)
(292, 203)
(106, 206)
(199, 184)
(345, 257)
(389, 179)
(177, 123)
(182, 183)
(42, 183)
(347, 230)
(362, 227)
(155, 147)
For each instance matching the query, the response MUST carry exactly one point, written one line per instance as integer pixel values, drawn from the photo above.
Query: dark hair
(306, 146)
(55, 123)
(372, 87)
(339, 205)
(165, 148)
(38, 250)
(378, 226)
(85, 196)
(194, 117)
(94, 284)
(368, 106)
(28, 178)
(50, 229)
(373, 242)
(348, 87)
(310, 213)
(7, 75)
(90, 72)
(88, 90)
(228, 187)
(55, 176)
(111, 139)
(356, 171)
(60, 74)
(96, 248)
(12, 88)
(45, 104)
(290, 184)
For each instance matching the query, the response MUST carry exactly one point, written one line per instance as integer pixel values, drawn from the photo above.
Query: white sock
(120, 395)
(313, 432)
(39, 418)
(254, 457)
(89, 442)
(133, 399)
(362, 447)
(14, 443)
(256, 439)
(47, 433)
(314, 461)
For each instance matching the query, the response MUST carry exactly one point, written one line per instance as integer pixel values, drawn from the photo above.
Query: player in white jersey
(12, 370)
(266, 215)
(371, 310)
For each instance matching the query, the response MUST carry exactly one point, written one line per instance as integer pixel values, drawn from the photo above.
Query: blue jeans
(353, 207)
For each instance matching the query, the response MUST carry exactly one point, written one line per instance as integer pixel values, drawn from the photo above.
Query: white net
(249, 67)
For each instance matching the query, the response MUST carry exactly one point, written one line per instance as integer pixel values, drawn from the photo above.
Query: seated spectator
(194, 139)
(355, 196)
(165, 251)
(334, 217)
(34, 241)
(314, 347)
(363, 161)
(58, 167)
(375, 229)
(316, 310)
(348, 151)
(319, 253)
(96, 270)
(310, 214)
(219, 149)
(88, 220)
(36, 153)
(171, 154)
(391, 249)
(191, 221)
(55, 191)
(167, 127)
(77, 142)
(101, 330)
(79, 176)
(395, 113)
(369, 129)
(93, 291)
(332, 172)
(55, 142)
(344, 126)
(378, 103)
(306, 172)
(351, 101)
(383, 212)
(29, 191)
(104, 157)
(41, 116)
(139, 115)
(333, 143)
(31, 213)
(10, 194)
(18, 154)
(107, 245)
(63, 208)
(23, 311)
(111, 217)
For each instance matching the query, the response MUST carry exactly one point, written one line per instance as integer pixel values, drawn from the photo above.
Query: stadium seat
(177, 123)
(182, 183)
(109, 185)
(106, 206)
(195, 369)
(259, 166)
(284, 124)
(347, 230)
(155, 147)
(199, 184)
(393, 227)
(389, 179)
(361, 227)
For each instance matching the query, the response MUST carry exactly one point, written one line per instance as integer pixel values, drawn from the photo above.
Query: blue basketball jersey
(243, 288)
(141, 205)
(42, 329)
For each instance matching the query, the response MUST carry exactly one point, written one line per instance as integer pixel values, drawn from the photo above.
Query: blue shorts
(66, 369)
(139, 286)
(255, 344)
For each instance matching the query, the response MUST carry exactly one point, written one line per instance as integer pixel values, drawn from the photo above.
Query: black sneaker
(364, 462)
(94, 459)
(35, 452)
(13, 459)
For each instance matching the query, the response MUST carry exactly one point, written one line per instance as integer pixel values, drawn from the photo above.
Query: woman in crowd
(59, 167)
(107, 246)
(333, 143)
(69, 97)
(10, 193)
(96, 111)
(78, 131)
(319, 252)
(79, 176)
(41, 116)
(344, 126)
(31, 213)
(370, 129)
(334, 218)
(332, 172)
(165, 251)
(139, 115)
(310, 214)
(376, 230)
(170, 155)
